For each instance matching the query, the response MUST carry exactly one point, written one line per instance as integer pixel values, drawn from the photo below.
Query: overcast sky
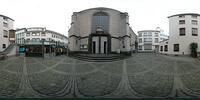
(56, 14)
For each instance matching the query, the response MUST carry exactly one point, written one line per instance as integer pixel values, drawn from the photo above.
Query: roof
(195, 14)
(56, 33)
(7, 17)
(149, 31)
(131, 30)
(45, 30)
(165, 40)
(100, 8)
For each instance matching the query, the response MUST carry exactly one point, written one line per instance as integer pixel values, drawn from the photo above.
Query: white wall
(183, 41)
(47, 36)
(153, 37)
(4, 40)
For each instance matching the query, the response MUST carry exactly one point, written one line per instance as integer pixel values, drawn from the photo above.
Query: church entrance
(99, 44)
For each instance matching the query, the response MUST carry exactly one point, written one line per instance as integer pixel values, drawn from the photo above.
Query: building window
(5, 24)
(194, 22)
(28, 34)
(140, 40)
(194, 16)
(140, 34)
(123, 43)
(5, 33)
(100, 19)
(181, 16)
(35, 39)
(156, 40)
(147, 47)
(5, 19)
(83, 46)
(43, 34)
(181, 31)
(145, 34)
(28, 39)
(149, 34)
(149, 40)
(156, 34)
(166, 48)
(22, 34)
(161, 48)
(35, 34)
(43, 39)
(140, 47)
(4, 46)
(181, 21)
(194, 31)
(176, 47)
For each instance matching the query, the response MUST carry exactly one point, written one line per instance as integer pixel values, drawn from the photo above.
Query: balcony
(148, 42)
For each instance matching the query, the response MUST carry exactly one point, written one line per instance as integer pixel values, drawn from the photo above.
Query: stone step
(99, 57)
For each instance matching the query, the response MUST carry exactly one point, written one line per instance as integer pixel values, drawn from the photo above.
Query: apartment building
(33, 40)
(148, 40)
(6, 28)
(183, 30)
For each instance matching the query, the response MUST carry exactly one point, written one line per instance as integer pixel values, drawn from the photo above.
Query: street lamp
(24, 44)
(43, 48)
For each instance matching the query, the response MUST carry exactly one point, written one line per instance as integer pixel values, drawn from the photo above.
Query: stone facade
(114, 33)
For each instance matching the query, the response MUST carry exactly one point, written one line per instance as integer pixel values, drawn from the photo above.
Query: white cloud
(56, 14)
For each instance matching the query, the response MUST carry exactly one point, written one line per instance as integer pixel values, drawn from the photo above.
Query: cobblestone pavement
(142, 75)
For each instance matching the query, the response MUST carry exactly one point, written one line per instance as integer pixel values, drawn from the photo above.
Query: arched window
(100, 19)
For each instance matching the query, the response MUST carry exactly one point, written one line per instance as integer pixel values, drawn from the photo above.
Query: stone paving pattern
(140, 76)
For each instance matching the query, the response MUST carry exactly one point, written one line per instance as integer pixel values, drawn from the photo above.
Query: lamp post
(50, 47)
(24, 50)
(67, 50)
(56, 48)
(43, 48)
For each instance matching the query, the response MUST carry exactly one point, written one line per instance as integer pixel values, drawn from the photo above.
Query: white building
(33, 38)
(183, 30)
(101, 30)
(148, 40)
(6, 24)
(27, 35)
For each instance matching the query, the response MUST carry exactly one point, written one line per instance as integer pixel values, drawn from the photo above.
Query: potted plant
(193, 47)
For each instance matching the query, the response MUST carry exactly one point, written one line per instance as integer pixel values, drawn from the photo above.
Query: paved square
(142, 75)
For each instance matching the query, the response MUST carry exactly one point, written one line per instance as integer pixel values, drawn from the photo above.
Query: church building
(101, 31)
